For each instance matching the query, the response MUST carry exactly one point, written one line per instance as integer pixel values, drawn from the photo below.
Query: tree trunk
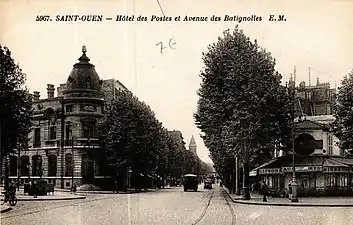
(237, 176)
(246, 191)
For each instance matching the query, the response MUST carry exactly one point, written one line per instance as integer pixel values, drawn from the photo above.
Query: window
(69, 165)
(69, 108)
(308, 96)
(37, 166)
(24, 165)
(13, 165)
(52, 133)
(36, 137)
(89, 130)
(336, 179)
(68, 131)
(330, 180)
(330, 143)
(52, 165)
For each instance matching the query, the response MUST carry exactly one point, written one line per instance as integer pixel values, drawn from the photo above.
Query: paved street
(169, 206)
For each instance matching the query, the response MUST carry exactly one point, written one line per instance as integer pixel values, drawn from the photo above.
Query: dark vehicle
(213, 180)
(207, 184)
(190, 182)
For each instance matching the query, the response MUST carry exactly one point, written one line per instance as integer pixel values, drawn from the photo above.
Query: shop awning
(346, 161)
(329, 162)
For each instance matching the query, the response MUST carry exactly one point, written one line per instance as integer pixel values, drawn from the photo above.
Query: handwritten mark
(172, 43)
(160, 7)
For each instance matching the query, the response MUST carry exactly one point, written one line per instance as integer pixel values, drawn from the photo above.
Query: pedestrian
(252, 187)
(264, 192)
(290, 191)
(74, 188)
(35, 189)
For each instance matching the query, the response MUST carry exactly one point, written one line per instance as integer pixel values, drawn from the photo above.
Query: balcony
(82, 142)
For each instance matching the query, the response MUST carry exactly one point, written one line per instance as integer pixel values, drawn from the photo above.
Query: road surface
(169, 206)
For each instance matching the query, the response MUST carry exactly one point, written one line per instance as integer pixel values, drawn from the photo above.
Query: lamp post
(294, 185)
(18, 169)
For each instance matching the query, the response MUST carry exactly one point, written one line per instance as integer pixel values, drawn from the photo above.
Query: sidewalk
(256, 199)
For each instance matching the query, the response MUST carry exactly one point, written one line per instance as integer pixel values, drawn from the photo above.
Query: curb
(6, 210)
(244, 202)
(52, 199)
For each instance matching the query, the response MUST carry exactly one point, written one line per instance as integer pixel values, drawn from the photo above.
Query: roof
(312, 160)
(83, 76)
(267, 164)
(307, 124)
(331, 162)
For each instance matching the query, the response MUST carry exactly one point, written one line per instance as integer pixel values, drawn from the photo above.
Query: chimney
(36, 95)
(50, 90)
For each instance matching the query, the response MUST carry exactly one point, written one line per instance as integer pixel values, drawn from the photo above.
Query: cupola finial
(84, 50)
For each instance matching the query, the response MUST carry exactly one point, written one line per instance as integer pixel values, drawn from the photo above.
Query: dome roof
(83, 76)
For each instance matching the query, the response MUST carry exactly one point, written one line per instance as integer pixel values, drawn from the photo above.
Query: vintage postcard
(181, 112)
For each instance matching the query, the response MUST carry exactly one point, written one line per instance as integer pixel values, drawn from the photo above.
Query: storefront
(317, 175)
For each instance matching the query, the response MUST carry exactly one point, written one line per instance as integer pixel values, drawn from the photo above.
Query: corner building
(64, 146)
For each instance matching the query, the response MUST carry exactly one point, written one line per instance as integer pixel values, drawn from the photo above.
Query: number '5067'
(43, 18)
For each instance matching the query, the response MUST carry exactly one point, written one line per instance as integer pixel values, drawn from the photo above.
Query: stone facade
(64, 145)
(315, 100)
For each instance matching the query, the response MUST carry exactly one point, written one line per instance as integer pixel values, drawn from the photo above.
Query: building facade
(64, 145)
(315, 100)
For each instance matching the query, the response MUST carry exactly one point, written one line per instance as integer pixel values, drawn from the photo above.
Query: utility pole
(294, 181)
(309, 77)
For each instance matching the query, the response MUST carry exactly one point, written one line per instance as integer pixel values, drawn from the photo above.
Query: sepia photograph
(158, 112)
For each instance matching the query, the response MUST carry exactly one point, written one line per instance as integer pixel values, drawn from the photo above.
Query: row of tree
(134, 138)
(244, 111)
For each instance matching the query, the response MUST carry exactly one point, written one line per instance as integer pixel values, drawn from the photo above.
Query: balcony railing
(82, 142)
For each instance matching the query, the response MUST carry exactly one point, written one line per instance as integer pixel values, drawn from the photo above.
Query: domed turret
(83, 77)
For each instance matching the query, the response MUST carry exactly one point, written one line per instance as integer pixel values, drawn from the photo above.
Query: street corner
(5, 208)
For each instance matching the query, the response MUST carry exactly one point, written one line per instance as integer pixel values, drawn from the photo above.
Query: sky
(316, 34)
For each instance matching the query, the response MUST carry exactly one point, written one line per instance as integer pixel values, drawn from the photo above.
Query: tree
(343, 113)
(242, 103)
(130, 134)
(16, 106)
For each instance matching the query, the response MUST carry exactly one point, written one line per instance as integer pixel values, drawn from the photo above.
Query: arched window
(51, 117)
(37, 169)
(68, 165)
(52, 165)
(13, 165)
(24, 165)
